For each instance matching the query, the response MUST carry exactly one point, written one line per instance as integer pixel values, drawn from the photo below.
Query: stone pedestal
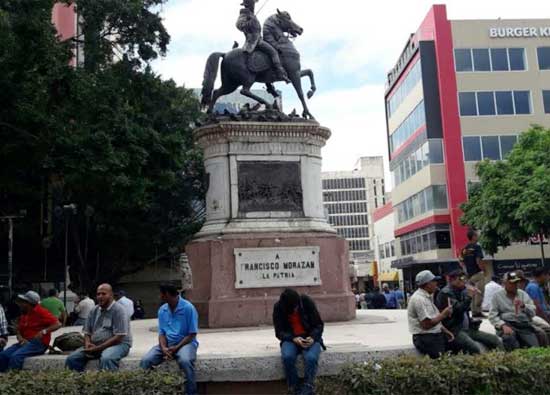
(265, 227)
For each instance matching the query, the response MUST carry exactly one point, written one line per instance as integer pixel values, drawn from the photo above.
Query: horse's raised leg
(296, 79)
(313, 89)
(246, 92)
(273, 92)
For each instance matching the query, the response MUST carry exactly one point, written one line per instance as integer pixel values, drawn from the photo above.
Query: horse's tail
(210, 75)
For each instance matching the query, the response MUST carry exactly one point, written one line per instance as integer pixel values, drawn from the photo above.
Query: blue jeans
(108, 360)
(185, 357)
(13, 357)
(290, 352)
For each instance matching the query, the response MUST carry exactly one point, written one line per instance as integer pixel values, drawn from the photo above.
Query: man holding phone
(299, 327)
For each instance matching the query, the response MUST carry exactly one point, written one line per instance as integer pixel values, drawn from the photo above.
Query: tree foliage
(511, 202)
(111, 137)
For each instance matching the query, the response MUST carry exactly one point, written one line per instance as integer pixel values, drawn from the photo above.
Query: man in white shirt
(83, 309)
(490, 290)
(127, 303)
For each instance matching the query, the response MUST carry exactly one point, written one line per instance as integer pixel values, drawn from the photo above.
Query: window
(463, 59)
(522, 102)
(468, 105)
(440, 197)
(505, 103)
(430, 238)
(491, 149)
(499, 59)
(546, 100)
(408, 84)
(517, 59)
(436, 151)
(544, 58)
(472, 149)
(486, 103)
(482, 61)
(507, 144)
(410, 125)
(434, 197)
(430, 152)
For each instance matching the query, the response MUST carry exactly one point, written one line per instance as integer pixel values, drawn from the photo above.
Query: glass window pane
(463, 59)
(486, 103)
(491, 149)
(517, 59)
(429, 199)
(482, 61)
(546, 100)
(468, 105)
(499, 59)
(436, 151)
(440, 196)
(522, 99)
(505, 103)
(472, 149)
(506, 144)
(544, 58)
(419, 162)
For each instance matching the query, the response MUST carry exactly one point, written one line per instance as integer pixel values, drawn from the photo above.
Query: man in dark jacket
(467, 335)
(299, 327)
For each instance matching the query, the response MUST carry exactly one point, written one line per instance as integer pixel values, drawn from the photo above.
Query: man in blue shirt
(391, 298)
(535, 291)
(178, 327)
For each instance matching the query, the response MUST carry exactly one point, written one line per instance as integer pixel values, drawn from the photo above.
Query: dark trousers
(289, 353)
(524, 336)
(430, 344)
(467, 341)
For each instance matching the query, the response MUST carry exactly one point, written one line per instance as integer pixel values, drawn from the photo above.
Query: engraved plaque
(277, 267)
(270, 186)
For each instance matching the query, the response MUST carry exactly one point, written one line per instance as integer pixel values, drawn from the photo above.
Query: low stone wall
(251, 368)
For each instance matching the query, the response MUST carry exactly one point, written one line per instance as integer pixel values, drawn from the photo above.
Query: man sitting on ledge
(106, 334)
(34, 329)
(178, 327)
(299, 327)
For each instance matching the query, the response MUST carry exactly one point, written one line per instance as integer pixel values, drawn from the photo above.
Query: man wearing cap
(467, 334)
(34, 330)
(429, 335)
(107, 334)
(512, 312)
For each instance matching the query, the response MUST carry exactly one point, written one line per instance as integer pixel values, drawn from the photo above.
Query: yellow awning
(388, 277)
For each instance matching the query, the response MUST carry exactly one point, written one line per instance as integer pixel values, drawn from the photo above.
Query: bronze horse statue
(242, 69)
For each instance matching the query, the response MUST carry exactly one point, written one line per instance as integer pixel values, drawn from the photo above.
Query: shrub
(62, 382)
(522, 372)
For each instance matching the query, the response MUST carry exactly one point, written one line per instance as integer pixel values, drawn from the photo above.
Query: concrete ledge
(249, 368)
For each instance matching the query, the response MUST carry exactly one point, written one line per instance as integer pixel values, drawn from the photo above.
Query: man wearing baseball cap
(429, 335)
(512, 312)
(33, 332)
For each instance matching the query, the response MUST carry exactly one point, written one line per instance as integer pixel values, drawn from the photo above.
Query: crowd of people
(387, 298)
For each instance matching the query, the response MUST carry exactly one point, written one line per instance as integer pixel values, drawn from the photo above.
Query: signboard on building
(277, 267)
(527, 265)
(519, 32)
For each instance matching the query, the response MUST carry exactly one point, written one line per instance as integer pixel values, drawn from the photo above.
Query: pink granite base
(220, 305)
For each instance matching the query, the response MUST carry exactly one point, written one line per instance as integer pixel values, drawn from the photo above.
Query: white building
(386, 247)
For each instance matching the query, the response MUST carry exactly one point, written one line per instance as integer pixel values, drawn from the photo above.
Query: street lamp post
(11, 219)
(68, 210)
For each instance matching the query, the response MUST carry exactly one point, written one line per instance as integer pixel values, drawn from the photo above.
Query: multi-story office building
(350, 198)
(460, 92)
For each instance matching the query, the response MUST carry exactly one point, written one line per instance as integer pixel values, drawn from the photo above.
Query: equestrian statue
(267, 58)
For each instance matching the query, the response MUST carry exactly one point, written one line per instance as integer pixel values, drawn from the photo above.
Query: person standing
(83, 309)
(34, 329)
(472, 258)
(458, 295)
(3, 329)
(107, 334)
(125, 302)
(429, 335)
(378, 299)
(512, 312)
(400, 296)
(299, 327)
(55, 306)
(535, 289)
(391, 298)
(178, 322)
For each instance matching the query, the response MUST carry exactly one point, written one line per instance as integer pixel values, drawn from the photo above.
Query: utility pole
(68, 211)
(10, 219)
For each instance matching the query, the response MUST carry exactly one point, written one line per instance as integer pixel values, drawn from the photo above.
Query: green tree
(511, 202)
(111, 137)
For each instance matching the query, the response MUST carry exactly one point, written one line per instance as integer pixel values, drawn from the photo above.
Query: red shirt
(34, 321)
(296, 324)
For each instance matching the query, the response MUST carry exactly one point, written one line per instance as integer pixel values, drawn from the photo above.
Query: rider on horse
(249, 24)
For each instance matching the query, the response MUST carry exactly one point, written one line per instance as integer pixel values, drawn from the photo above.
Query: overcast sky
(349, 44)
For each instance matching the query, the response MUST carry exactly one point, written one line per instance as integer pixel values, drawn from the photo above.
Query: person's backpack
(69, 341)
